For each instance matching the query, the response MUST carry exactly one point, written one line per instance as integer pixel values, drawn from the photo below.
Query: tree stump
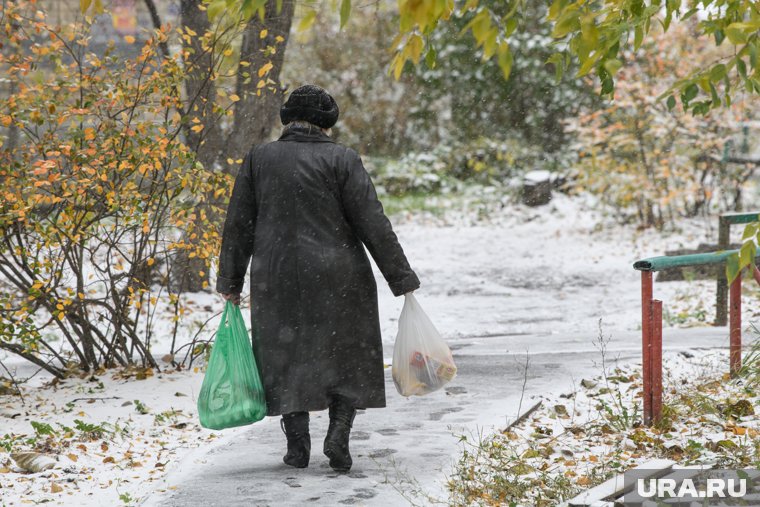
(537, 188)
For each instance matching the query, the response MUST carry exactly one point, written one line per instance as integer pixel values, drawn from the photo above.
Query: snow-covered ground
(523, 281)
(591, 432)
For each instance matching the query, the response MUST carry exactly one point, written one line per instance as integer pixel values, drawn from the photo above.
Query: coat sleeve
(238, 233)
(366, 216)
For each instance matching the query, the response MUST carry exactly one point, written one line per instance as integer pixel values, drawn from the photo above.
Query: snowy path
(536, 284)
(401, 452)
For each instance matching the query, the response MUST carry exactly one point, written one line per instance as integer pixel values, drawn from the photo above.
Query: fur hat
(312, 104)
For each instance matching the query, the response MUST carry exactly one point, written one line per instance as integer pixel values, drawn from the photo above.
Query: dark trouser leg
(342, 415)
(295, 425)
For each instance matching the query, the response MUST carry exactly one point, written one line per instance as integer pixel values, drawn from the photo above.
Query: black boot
(336, 442)
(296, 428)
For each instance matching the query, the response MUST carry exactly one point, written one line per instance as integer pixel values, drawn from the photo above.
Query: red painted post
(735, 329)
(656, 352)
(646, 343)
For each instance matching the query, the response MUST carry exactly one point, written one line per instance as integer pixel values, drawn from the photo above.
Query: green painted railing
(725, 222)
(681, 261)
(739, 218)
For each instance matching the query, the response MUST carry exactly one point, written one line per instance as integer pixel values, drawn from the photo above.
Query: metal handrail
(725, 221)
(682, 261)
(740, 218)
(651, 322)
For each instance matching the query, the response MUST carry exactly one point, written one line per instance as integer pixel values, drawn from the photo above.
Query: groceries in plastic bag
(422, 362)
(231, 394)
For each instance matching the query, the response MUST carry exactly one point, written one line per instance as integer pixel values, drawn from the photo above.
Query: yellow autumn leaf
(234, 97)
(129, 39)
(263, 33)
(261, 84)
(265, 69)
(196, 128)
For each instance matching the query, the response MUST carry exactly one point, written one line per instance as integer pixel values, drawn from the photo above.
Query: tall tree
(208, 39)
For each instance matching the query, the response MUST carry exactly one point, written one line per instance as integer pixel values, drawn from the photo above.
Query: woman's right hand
(235, 298)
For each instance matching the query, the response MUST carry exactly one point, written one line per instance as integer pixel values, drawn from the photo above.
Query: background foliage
(655, 163)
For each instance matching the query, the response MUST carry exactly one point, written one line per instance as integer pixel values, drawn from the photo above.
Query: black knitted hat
(310, 103)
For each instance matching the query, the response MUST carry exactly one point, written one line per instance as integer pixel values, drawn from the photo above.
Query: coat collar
(305, 135)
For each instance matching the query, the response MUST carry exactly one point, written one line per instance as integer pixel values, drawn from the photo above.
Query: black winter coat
(302, 208)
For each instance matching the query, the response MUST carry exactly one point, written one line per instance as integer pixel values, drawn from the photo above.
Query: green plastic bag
(231, 394)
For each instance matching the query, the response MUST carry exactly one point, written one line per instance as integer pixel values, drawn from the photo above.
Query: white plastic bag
(422, 362)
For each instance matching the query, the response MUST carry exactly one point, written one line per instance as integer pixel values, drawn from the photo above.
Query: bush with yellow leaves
(98, 194)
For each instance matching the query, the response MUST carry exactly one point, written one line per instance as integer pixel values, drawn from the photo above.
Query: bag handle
(225, 314)
(232, 316)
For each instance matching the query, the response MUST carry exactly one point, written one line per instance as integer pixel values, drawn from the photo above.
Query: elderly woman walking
(302, 210)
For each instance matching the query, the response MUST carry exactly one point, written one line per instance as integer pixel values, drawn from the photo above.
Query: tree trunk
(254, 115)
(200, 70)
(257, 111)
